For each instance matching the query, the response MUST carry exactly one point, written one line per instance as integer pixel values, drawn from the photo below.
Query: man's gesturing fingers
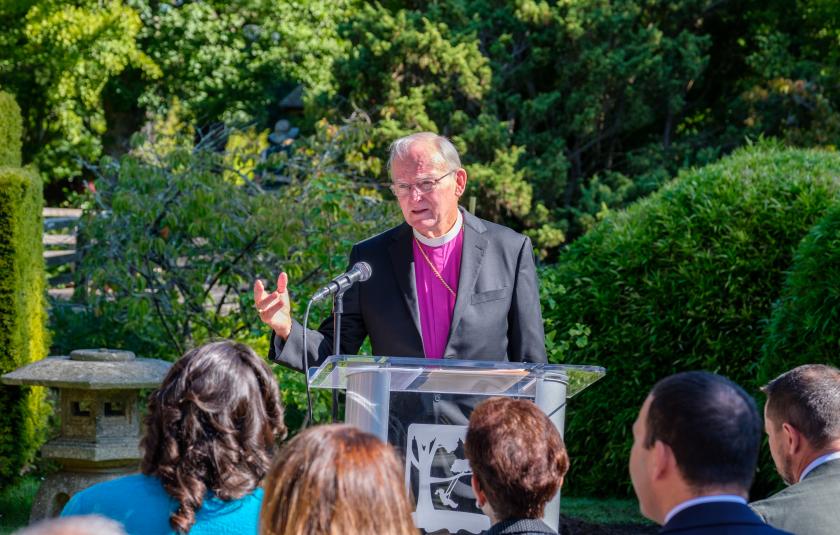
(273, 307)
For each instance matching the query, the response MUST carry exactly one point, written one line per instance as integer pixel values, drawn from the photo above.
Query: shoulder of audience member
(785, 500)
(133, 486)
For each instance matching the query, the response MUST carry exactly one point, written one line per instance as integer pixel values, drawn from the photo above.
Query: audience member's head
(517, 457)
(74, 525)
(802, 417)
(213, 425)
(697, 434)
(335, 479)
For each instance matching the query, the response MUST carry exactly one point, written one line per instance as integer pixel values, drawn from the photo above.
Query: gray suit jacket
(497, 309)
(810, 507)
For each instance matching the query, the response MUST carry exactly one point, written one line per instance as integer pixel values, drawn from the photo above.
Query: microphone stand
(308, 421)
(359, 272)
(338, 310)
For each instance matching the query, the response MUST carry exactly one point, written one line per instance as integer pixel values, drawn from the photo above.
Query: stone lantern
(98, 403)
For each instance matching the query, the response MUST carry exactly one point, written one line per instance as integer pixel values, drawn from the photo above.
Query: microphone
(360, 271)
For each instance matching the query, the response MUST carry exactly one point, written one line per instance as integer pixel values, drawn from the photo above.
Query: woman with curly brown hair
(211, 431)
(332, 480)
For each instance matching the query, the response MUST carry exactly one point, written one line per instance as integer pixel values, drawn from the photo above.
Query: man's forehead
(641, 418)
(420, 159)
(768, 416)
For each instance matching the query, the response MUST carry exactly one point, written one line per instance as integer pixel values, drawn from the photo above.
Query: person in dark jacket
(695, 449)
(518, 460)
(444, 283)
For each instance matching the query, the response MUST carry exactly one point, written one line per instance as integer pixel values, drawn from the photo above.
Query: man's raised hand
(274, 308)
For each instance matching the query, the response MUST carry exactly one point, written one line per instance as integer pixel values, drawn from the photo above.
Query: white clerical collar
(818, 461)
(732, 498)
(440, 240)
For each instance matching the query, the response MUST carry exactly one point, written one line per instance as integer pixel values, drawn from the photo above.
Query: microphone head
(364, 269)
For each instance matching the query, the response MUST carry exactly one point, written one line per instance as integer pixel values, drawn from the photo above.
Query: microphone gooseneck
(361, 271)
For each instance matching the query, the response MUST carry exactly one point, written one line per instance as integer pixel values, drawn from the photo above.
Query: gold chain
(434, 269)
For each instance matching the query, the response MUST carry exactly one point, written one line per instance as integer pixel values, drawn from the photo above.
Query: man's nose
(415, 194)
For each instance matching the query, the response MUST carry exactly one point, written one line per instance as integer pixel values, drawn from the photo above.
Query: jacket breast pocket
(492, 295)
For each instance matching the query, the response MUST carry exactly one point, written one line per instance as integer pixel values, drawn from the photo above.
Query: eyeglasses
(403, 189)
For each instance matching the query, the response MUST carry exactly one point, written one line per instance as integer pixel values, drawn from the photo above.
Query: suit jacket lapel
(471, 257)
(402, 258)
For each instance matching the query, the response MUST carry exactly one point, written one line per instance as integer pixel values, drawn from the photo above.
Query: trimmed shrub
(23, 334)
(11, 129)
(805, 325)
(682, 280)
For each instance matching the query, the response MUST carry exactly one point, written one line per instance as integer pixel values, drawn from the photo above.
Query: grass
(603, 511)
(15, 503)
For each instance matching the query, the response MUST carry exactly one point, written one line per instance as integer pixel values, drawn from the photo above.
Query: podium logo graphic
(433, 459)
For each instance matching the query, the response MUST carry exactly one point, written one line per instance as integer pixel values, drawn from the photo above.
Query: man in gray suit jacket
(802, 421)
(478, 296)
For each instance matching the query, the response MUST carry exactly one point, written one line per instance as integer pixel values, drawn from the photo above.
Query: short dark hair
(712, 426)
(808, 398)
(517, 455)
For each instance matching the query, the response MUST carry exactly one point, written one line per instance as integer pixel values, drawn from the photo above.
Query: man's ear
(663, 463)
(792, 439)
(480, 498)
(460, 181)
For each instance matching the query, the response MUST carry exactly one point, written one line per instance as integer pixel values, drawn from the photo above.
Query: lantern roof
(92, 369)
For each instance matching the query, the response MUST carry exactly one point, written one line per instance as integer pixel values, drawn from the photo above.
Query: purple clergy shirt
(435, 302)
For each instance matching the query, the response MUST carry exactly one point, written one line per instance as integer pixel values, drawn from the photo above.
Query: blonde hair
(336, 479)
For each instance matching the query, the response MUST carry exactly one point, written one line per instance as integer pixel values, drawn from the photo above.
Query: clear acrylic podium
(422, 407)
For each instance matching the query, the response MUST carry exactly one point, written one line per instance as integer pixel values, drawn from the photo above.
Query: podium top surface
(451, 376)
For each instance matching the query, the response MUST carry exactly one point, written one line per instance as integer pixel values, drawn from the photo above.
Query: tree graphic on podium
(424, 442)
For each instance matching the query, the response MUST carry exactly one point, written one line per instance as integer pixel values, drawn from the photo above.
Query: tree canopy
(563, 110)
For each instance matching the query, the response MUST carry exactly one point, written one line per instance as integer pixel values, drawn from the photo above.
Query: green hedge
(805, 325)
(11, 129)
(23, 334)
(682, 280)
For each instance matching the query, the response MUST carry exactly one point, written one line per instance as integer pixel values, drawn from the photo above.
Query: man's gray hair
(74, 525)
(399, 148)
(808, 398)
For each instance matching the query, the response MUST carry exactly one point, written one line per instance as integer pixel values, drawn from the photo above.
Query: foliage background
(23, 315)
(803, 327)
(682, 280)
(563, 110)
(174, 240)
(152, 115)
